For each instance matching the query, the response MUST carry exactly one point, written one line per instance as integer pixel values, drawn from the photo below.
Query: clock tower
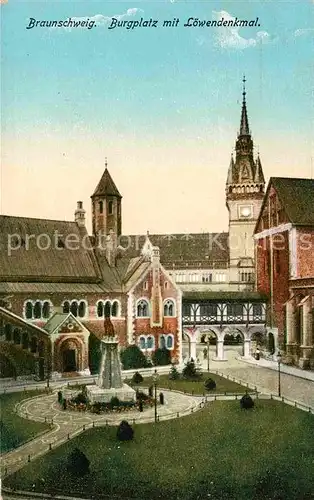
(244, 195)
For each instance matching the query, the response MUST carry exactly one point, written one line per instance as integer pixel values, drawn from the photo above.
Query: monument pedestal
(110, 384)
(97, 394)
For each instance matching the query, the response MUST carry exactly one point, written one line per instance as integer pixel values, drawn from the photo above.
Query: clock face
(245, 211)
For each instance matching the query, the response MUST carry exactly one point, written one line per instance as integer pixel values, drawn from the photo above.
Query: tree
(125, 431)
(190, 371)
(246, 402)
(133, 357)
(137, 378)
(210, 384)
(94, 354)
(161, 357)
(77, 463)
(174, 374)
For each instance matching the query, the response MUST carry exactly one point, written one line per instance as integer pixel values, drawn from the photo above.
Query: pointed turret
(230, 171)
(244, 125)
(259, 174)
(106, 206)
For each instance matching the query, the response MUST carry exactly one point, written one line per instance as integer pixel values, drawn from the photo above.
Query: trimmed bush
(133, 357)
(210, 384)
(174, 374)
(161, 398)
(80, 399)
(246, 402)
(77, 463)
(190, 372)
(137, 378)
(94, 354)
(114, 402)
(161, 357)
(125, 431)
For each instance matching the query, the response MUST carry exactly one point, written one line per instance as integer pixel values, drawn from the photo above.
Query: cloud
(228, 37)
(304, 31)
(101, 20)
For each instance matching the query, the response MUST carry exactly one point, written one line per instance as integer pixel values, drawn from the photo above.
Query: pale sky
(162, 104)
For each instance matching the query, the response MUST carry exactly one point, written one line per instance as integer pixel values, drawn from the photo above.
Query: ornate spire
(230, 171)
(244, 125)
(259, 175)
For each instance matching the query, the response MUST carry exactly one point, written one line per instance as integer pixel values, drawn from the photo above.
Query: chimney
(79, 214)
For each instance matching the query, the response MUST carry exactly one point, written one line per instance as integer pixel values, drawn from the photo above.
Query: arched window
(162, 342)
(16, 336)
(66, 307)
(37, 310)
(150, 342)
(142, 308)
(169, 308)
(25, 340)
(115, 309)
(82, 309)
(101, 207)
(107, 309)
(28, 310)
(46, 310)
(169, 342)
(110, 207)
(74, 308)
(33, 344)
(8, 333)
(142, 342)
(100, 309)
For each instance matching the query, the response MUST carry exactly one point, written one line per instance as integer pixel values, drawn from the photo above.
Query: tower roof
(244, 125)
(106, 186)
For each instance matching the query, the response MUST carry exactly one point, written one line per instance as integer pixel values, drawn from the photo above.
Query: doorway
(69, 360)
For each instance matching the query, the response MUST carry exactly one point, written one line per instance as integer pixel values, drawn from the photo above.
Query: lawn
(14, 429)
(196, 387)
(220, 452)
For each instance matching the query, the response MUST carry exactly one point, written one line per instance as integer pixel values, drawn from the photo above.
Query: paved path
(64, 423)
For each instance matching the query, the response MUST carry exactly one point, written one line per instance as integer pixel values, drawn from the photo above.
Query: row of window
(143, 309)
(21, 338)
(182, 277)
(147, 342)
(43, 309)
(213, 310)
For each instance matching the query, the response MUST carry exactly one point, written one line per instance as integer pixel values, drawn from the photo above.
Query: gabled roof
(106, 186)
(297, 199)
(194, 250)
(57, 320)
(45, 250)
(9, 315)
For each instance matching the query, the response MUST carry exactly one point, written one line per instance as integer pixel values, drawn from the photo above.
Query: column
(306, 334)
(220, 351)
(247, 348)
(193, 349)
(291, 346)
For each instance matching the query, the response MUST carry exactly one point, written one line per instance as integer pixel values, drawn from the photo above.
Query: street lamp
(208, 353)
(155, 380)
(279, 358)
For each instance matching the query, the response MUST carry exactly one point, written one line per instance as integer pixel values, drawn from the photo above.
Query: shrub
(190, 372)
(80, 399)
(125, 431)
(210, 384)
(114, 402)
(161, 357)
(132, 357)
(137, 378)
(77, 463)
(174, 374)
(246, 402)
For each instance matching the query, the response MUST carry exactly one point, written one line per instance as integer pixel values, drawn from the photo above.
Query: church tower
(244, 195)
(106, 206)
